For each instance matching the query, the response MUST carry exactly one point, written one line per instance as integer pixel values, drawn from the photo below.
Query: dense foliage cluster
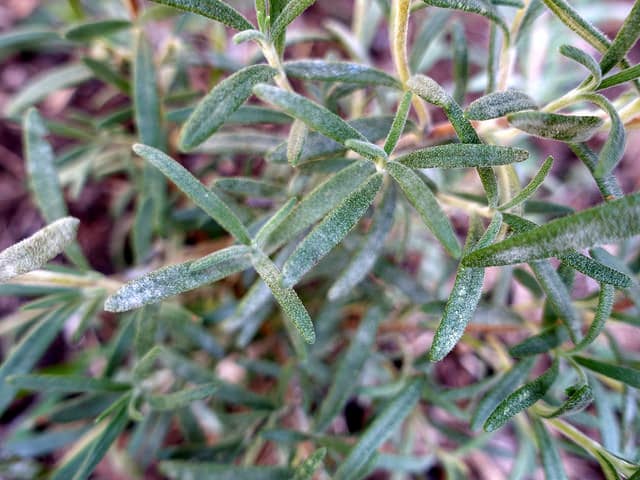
(312, 297)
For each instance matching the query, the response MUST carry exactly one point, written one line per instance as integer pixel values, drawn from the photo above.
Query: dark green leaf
(274, 223)
(580, 397)
(531, 187)
(548, 339)
(461, 155)
(315, 116)
(620, 77)
(21, 37)
(346, 72)
(426, 204)
(499, 104)
(103, 71)
(86, 31)
(627, 375)
(521, 399)
(224, 99)
(380, 429)
(506, 384)
(328, 233)
(565, 128)
(198, 193)
(399, 122)
(605, 223)
(306, 469)
(214, 9)
(603, 312)
(169, 281)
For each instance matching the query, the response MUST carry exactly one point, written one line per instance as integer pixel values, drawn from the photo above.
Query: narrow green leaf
(274, 223)
(35, 251)
(319, 147)
(463, 299)
(231, 254)
(287, 298)
(521, 399)
(627, 375)
(42, 85)
(39, 444)
(546, 340)
(462, 155)
(596, 270)
(370, 249)
(531, 187)
(175, 400)
(565, 128)
(87, 459)
(248, 187)
(479, 7)
(108, 75)
(306, 469)
(222, 101)
(315, 116)
(350, 364)
(322, 199)
(292, 10)
(249, 36)
(383, 426)
(295, 142)
(572, 19)
(624, 40)
(432, 92)
(607, 184)
(506, 384)
(613, 148)
(346, 72)
(584, 59)
(23, 37)
(367, 149)
(181, 470)
(25, 354)
(460, 62)
(580, 397)
(214, 9)
(424, 201)
(549, 455)
(621, 77)
(65, 383)
(169, 281)
(499, 104)
(603, 312)
(328, 233)
(86, 31)
(399, 122)
(198, 193)
(605, 223)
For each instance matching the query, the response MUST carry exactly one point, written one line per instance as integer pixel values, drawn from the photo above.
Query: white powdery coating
(35, 251)
(498, 104)
(429, 89)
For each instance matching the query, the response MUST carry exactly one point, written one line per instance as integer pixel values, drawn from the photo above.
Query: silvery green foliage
(286, 241)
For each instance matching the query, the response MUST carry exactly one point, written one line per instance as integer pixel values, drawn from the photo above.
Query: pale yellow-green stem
(357, 26)
(466, 205)
(398, 31)
(273, 59)
(56, 279)
(591, 446)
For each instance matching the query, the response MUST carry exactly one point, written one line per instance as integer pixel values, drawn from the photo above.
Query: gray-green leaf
(499, 104)
(426, 204)
(196, 191)
(214, 9)
(605, 223)
(462, 155)
(565, 128)
(289, 13)
(346, 72)
(326, 235)
(224, 99)
(521, 399)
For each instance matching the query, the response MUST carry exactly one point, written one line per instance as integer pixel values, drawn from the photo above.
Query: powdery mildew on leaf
(35, 251)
